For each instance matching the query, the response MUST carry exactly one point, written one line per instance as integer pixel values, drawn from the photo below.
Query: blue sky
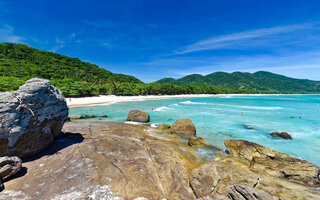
(153, 39)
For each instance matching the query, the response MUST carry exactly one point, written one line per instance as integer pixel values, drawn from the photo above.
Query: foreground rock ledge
(267, 161)
(30, 118)
(108, 160)
(113, 160)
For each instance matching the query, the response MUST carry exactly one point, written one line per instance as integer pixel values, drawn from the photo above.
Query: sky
(153, 39)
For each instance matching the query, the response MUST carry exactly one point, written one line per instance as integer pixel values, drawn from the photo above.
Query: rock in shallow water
(183, 127)
(138, 116)
(283, 135)
(30, 118)
(194, 141)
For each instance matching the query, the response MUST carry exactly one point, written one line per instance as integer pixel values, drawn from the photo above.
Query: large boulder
(138, 116)
(9, 166)
(274, 163)
(283, 135)
(183, 127)
(30, 118)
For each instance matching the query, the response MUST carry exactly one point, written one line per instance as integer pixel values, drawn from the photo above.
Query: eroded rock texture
(267, 161)
(114, 160)
(30, 118)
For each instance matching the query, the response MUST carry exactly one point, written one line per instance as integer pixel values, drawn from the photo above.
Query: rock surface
(138, 116)
(283, 135)
(183, 127)
(113, 160)
(163, 127)
(268, 161)
(243, 192)
(215, 178)
(9, 166)
(194, 141)
(30, 118)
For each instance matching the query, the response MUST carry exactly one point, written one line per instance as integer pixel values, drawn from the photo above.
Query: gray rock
(243, 192)
(9, 166)
(30, 118)
(138, 116)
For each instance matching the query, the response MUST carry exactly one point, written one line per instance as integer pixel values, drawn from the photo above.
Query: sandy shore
(106, 99)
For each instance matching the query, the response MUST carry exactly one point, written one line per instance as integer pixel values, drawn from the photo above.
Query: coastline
(109, 99)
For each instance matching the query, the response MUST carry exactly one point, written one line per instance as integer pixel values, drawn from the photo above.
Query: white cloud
(7, 35)
(246, 38)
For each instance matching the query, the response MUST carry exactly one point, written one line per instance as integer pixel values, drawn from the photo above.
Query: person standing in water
(241, 114)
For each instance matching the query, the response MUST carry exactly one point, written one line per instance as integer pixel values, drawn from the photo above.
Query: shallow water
(219, 118)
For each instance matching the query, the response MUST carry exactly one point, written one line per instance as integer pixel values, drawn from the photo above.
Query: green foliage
(19, 63)
(259, 81)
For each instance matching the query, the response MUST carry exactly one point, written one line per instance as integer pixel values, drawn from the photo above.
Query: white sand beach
(107, 99)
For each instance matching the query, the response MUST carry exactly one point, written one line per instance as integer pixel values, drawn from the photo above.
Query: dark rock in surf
(283, 135)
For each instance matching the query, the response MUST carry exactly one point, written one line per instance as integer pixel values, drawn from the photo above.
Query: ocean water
(219, 118)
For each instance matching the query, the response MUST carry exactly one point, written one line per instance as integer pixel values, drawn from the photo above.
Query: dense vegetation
(259, 81)
(19, 63)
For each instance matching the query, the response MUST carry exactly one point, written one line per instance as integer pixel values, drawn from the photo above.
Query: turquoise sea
(219, 118)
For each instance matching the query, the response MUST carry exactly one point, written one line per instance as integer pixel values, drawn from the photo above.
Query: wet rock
(138, 116)
(9, 166)
(283, 135)
(30, 118)
(274, 163)
(163, 127)
(194, 141)
(248, 127)
(183, 127)
(76, 117)
(243, 192)
(115, 160)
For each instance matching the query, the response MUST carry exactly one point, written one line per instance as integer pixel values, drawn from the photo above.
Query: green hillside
(19, 63)
(259, 81)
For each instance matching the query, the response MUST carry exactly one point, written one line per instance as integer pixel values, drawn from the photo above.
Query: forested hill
(261, 80)
(74, 77)
(19, 63)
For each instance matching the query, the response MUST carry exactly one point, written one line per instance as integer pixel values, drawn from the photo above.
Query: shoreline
(110, 99)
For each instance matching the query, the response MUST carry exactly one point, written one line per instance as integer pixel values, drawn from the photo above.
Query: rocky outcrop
(194, 141)
(268, 161)
(114, 160)
(138, 116)
(215, 178)
(183, 127)
(243, 192)
(164, 127)
(30, 118)
(283, 135)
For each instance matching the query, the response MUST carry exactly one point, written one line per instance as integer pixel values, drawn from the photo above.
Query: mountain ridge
(260, 80)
